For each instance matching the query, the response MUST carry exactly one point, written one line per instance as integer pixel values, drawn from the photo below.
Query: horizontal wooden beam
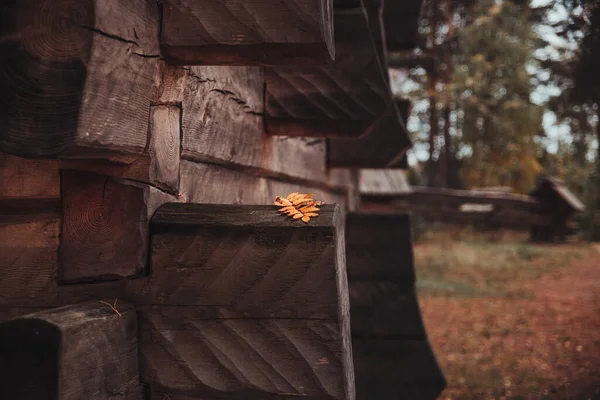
(242, 298)
(391, 354)
(341, 100)
(386, 141)
(77, 78)
(84, 351)
(247, 32)
(185, 354)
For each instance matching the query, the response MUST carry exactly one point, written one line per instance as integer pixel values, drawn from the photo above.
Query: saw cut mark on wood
(385, 142)
(242, 303)
(247, 32)
(341, 100)
(41, 354)
(75, 77)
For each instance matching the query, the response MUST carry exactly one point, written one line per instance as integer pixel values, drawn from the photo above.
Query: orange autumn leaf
(298, 206)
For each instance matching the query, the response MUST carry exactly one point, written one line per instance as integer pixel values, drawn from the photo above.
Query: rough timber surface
(82, 351)
(244, 358)
(386, 141)
(104, 229)
(247, 32)
(262, 299)
(341, 100)
(76, 78)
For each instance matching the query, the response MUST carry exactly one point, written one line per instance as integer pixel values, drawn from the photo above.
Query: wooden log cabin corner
(234, 300)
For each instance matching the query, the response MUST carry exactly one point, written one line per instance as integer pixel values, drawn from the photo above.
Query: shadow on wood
(84, 351)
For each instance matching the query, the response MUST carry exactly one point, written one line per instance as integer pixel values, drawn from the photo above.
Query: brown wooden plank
(386, 141)
(204, 183)
(158, 165)
(28, 178)
(385, 309)
(379, 246)
(28, 251)
(105, 228)
(84, 351)
(341, 100)
(383, 181)
(396, 369)
(77, 77)
(247, 32)
(247, 259)
(187, 354)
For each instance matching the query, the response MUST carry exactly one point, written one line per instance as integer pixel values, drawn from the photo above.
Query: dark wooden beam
(385, 142)
(77, 78)
(342, 100)
(402, 18)
(392, 356)
(379, 246)
(247, 32)
(260, 298)
(105, 226)
(84, 351)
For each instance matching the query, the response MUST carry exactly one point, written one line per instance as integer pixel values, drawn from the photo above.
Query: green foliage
(491, 84)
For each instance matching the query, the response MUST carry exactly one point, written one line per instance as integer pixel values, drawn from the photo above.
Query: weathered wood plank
(184, 353)
(84, 351)
(30, 233)
(386, 141)
(105, 228)
(247, 259)
(383, 181)
(158, 165)
(396, 369)
(379, 246)
(76, 78)
(341, 100)
(28, 178)
(204, 183)
(248, 32)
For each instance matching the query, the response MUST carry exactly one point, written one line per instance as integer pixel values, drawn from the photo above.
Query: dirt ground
(512, 320)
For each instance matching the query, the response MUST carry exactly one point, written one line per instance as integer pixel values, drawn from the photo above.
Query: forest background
(503, 93)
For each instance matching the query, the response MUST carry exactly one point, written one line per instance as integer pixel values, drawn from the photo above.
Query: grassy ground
(511, 320)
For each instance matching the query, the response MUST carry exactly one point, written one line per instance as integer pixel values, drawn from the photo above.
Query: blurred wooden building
(142, 145)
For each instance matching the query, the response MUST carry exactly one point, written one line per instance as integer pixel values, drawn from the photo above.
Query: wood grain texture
(83, 351)
(247, 259)
(75, 78)
(105, 228)
(28, 178)
(28, 251)
(341, 100)
(379, 246)
(165, 144)
(247, 32)
(205, 183)
(386, 141)
(383, 181)
(243, 358)
(396, 369)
